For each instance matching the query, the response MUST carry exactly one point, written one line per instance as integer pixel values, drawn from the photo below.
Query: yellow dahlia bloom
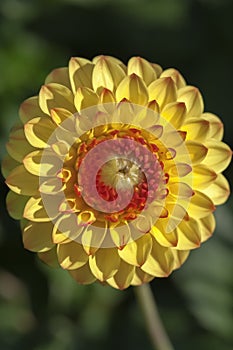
(114, 171)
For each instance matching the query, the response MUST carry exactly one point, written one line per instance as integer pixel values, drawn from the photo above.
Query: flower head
(114, 171)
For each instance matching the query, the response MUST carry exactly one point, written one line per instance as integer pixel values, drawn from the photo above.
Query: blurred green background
(42, 308)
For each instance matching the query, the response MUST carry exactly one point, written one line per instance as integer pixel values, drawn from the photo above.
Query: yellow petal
(160, 261)
(197, 152)
(141, 277)
(162, 90)
(22, 182)
(180, 257)
(107, 74)
(188, 233)
(30, 109)
(215, 126)
(18, 146)
(8, 164)
(85, 98)
(59, 115)
(159, 232)
(110, 59)
(92, 239)
(218, 191)
(142, 68)
(35, 211)
(136, 252)
(200, 205)
(71, 255)
(105, 263)
(180, 189)
(175, 75)
(179, 169)
(106, 96)
(207, 226)
(122, 279)
(59, 76)
(37, 236)
(196, 129)
(133, 89)
(80, 72)
(38, 131)
(219, 155)
(51, 186)
(55, 95)
(83, 275)
(120, 236)
(175, 113)
(192, 98)
(15, 204)
(157, 68)
(49, 257)
(202, 176)
(66, 228)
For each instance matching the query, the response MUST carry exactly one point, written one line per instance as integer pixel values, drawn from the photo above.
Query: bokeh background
(42, 308)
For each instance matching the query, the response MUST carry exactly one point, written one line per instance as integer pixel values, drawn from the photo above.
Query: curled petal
(162, 90)
(133, 89)
(193, 100)
(8, 164)
(71, 255)
(180, 257)
(85, 98)
(80, 73)
(196, 151)
(179, 169)
(83, 275)
(59, 76)
(18, 146)
(175, 113)
(38, 131)
(160, 261)
(202, 176)
(92, 240)
(55, 95)
(142, 68)
(107, 74)
(219, 155)
(196, 129)
(188, 234)
(34, 210)
(141, 277)
(200, 205)
(207, 227)
(22, 182)
(166, 239)
(219, 190)
(215, 126)
(105, 263)
(110, 59)
(30, 109)
(49, 257)
(123, 278)
(175, 75)
(35, 242)
(180, 189)
(59, 115)
(136, 252)
(15, 204)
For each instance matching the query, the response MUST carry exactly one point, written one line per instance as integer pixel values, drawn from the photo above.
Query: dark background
(42, 308)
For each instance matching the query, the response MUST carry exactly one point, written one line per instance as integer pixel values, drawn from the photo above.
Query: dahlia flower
(114, 171)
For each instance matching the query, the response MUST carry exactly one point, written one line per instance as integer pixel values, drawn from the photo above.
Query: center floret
(121, 173)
